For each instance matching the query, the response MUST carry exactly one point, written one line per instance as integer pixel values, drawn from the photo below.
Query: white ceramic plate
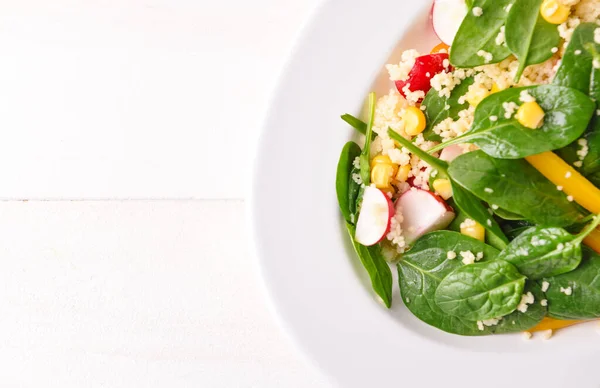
(317, 288)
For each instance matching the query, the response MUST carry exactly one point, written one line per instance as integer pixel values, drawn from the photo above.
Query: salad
(479, 174)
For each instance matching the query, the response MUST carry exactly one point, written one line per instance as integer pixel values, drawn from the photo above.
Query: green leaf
(568, 112)
(469, 3)
(346, 188)
(577, 71)
(513, 185)
(481, 291)
(584, 284)
(479, 33)
(422, 269)
(528, 35)
(518, 321)
(436, 111)
(541, 252)
(378, 269)
(506, 215)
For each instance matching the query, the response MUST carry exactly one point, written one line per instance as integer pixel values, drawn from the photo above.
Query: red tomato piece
(425, 68)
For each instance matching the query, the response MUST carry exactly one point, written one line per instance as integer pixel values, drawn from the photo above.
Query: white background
(128, 126)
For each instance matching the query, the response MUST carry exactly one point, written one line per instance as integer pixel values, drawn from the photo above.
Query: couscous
(479, 174)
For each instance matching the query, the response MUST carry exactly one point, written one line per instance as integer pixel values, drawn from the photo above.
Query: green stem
(358, 124)
(365, 157)
(587, 230)
(434, 162)
(456, 140)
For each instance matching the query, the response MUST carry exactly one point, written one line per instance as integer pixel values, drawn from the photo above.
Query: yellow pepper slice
(554, 324)
(572, 182)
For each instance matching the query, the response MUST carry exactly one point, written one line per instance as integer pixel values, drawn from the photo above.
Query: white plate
(316, 286)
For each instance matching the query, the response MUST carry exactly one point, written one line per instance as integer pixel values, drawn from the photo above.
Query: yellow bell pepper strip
(593, 240)
(554, 324)
(570, 180)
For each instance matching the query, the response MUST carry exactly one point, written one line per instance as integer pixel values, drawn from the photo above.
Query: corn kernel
(554, 12)
(382, 175)
(476, 95)
(474, 230)
(403, 172)
(443, 188)
(384, 159)
(440, 47)
(530, 115)
(414, 121)
(495, 88)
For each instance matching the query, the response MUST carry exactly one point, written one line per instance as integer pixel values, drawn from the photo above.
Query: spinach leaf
(357, 124)
(481, 291)
(423, 268)
(519, 321)
(583, 284)
(378, 269)
(346, 188)
(528, 35)
(365, 156)
(436, 111)
(568, 112)
(577, 71)
(513, 185)
(506, 215)
(427, 264)
(464, 200)
(469, 3)
(479, 33)
(541, 252)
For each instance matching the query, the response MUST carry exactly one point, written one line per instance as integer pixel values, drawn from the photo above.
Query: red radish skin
(446, 17)
(375, 218)
(418, 79)
(422, 212)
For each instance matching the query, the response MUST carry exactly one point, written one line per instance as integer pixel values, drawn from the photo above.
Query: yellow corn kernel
(384, 159)
(530, 115)
(414, 121)
(554, 12)
(443, 188)
(382, 175)
(403, 172)
(593, 240)
(572, 182)
(476, 94)
(495, 88)
(553, 324)
(473, 229)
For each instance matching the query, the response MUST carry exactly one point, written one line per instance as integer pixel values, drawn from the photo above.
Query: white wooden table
(125, 125)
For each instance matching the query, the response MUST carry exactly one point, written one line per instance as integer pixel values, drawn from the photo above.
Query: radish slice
(425, 68)
(375, 218)
(422, 212)
(452, 152)
(447, 16)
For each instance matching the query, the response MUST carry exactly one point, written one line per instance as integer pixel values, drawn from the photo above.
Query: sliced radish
(425, 67)
(447, 16)
(375, 218)
(423, 212)
(452, 152)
